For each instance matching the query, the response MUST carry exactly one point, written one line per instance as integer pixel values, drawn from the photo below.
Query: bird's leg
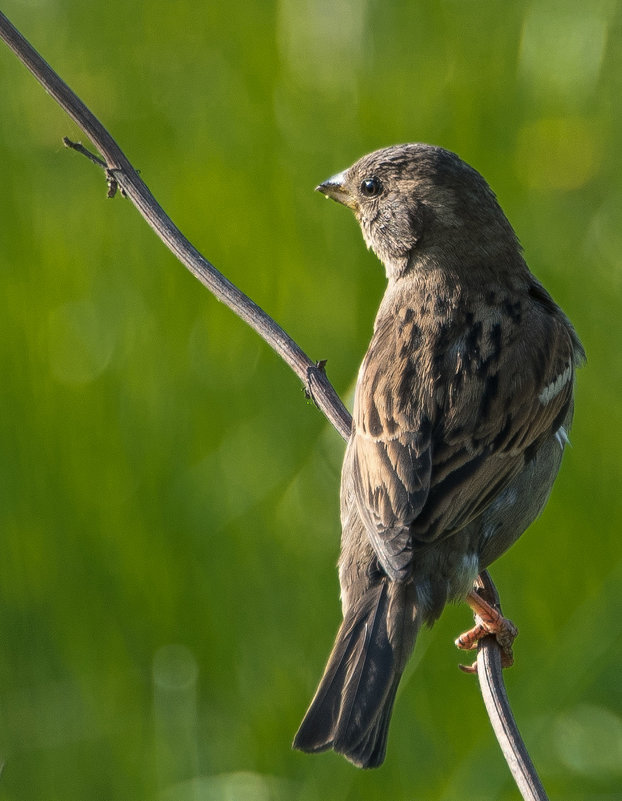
(488, 620)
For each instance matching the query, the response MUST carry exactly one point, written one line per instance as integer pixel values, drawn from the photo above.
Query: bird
(462, 409)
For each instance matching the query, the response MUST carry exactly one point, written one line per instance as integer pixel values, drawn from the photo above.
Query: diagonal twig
(121, 174)
(120, 170)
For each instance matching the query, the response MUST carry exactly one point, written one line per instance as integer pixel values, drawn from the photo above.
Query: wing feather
(427, 455)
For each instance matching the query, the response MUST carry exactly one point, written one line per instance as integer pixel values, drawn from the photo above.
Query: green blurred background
(169, 500)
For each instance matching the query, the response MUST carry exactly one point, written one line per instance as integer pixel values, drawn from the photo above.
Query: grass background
(168, 501)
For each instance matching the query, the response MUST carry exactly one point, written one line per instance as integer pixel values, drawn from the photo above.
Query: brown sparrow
(462, 407)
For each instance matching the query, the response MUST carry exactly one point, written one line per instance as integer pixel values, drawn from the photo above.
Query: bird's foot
(488, 620)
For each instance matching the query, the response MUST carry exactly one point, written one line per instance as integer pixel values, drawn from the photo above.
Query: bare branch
(121, 173)
(490, 675)
(118, 168)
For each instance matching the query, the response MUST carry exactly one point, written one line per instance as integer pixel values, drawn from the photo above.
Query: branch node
(81, 149)
(317, 370)
(111, 180)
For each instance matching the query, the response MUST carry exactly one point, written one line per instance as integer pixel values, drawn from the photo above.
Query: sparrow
(462, 409)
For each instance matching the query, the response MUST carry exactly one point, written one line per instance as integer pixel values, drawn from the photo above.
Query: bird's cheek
(367, 232)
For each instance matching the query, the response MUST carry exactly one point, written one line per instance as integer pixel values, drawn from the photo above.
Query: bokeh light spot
(588, 740)
(562, 48)
(175, 667)
(558, 153)
(80, 342)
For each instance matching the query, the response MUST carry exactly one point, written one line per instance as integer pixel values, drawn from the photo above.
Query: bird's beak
(335, 188)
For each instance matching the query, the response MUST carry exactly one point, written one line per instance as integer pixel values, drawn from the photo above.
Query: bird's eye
(371, 187)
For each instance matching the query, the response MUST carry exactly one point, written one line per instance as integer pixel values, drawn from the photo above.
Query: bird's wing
(389, 457)
(517, 407)
(391, 479)
(420, 475)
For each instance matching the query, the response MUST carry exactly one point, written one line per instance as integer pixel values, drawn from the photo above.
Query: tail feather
(352, 706)
(370, 751)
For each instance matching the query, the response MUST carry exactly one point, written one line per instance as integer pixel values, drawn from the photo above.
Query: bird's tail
(352, 706)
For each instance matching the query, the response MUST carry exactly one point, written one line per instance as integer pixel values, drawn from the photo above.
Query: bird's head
(418, 204)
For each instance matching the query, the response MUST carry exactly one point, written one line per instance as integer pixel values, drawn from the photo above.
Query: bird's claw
(488, 621)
